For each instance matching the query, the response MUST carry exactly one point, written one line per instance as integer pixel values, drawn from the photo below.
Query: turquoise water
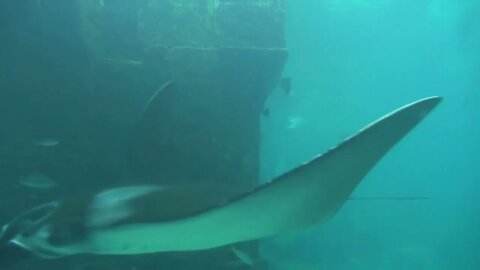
(82, 110)
(351, 62)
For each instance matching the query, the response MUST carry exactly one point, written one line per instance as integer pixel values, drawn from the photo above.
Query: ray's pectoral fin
(338, 171)
(313, 192)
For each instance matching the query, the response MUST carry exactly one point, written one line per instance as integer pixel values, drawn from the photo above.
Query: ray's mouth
(25, 222)
(35, 249)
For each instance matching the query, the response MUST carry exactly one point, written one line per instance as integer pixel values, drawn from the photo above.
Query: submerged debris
(243, 256)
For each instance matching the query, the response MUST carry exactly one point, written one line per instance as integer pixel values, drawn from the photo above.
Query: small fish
(37, 181)
(47, 142)
(286, 85)
(294, 122)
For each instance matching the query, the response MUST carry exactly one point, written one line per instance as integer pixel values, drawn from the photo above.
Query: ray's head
(65, 227)
(37, 231)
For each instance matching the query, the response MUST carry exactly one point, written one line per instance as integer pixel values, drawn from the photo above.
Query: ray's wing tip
(424, 105)
(433, 100)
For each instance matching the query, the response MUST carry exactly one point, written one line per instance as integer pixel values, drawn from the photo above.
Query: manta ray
(149, 219)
